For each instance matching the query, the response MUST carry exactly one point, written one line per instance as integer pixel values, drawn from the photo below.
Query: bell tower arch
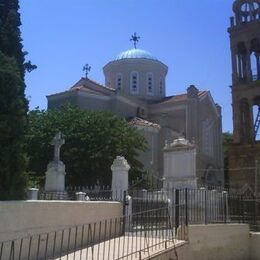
(244, 34)
(245, 53)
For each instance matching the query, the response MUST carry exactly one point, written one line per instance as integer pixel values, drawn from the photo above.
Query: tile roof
(141, 122)
(177, 98)
(89, 86)
(86, 83)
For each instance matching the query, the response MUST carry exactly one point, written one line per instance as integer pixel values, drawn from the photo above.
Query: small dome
(135, 54)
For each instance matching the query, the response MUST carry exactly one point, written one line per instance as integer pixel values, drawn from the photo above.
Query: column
(248, 67)
(251, 121)
(240, 66)
(120, 168)
(244, 65)
(234, 66)
(257, 65)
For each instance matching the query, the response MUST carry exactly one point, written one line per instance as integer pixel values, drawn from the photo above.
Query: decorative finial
(135, 39)
(87, 69)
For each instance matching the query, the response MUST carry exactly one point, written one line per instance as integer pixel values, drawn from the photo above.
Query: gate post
(177, 210)
(120, 168)
(186, 208)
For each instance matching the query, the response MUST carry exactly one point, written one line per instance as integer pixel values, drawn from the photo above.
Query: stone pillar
(225, 207)
(120, 168)
(55, 174)
(180, 165)
(248, 66)
(32, 194)
(192, 114)
(240, 66)
(80, 196)
(55, 177)
(234, 64)
(258, 65)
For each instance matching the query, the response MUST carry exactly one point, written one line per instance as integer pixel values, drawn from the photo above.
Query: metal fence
(245, 209)
(93, 193)
(129, 237)
(202, 206)
(154, 221)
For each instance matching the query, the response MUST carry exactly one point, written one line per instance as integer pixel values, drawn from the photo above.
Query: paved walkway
(124, 247)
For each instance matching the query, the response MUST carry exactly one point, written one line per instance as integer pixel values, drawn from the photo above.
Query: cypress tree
(13, 104)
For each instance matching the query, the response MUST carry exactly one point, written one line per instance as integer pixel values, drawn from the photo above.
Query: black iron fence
(93, 193)
(245, 209)
(202, 206)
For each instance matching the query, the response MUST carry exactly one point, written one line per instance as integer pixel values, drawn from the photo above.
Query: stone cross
(57, 142)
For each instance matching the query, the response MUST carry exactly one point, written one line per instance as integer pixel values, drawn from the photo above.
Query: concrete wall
(254, 246)
(214, 242)
(180, 252)
(23, 218)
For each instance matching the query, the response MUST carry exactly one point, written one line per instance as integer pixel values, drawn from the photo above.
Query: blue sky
(189, 36)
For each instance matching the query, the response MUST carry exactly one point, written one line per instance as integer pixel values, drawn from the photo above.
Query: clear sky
(189, 36)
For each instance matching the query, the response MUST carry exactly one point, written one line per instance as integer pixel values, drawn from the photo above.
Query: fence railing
(203, 206)
(244, 209)
(138, 235)
(156, 219)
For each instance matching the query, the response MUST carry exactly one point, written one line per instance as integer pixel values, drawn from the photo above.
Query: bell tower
(244, 34)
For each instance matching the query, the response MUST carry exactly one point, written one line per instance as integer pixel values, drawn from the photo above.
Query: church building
(135, 89)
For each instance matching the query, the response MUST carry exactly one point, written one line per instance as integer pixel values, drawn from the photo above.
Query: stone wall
(254, 246)
(219, 241)
(24, 218)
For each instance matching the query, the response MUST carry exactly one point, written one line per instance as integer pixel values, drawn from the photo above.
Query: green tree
(12, 122)
(227, 140)
(92, 141)
(10, 34)
(13, 103)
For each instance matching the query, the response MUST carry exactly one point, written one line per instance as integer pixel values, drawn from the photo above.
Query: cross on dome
(135, 39)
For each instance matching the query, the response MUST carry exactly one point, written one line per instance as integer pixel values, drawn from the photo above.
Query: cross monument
(57, 142)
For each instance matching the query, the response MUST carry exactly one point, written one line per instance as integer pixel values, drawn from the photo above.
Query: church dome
(135, 54)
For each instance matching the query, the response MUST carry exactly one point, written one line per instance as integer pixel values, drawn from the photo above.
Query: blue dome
(135, 54)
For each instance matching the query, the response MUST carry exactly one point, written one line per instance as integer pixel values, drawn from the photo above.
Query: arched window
(134, 83)
(255, 59)
(242, 61)
(150, 84)
(107, 82)
(119, 79)
(246, 11)
(161, 86)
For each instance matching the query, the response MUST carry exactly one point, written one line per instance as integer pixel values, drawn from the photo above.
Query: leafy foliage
(13, 104)
(92, 141)
(12, 121)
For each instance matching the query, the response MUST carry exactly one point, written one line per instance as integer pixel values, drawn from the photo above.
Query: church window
(107, 82)
(150, 89)
(134, 83)
(208, 137)
(119, 81)
(161, 86)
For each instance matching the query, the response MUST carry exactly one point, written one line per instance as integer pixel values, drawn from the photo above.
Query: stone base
(242, 165)
(55, 177)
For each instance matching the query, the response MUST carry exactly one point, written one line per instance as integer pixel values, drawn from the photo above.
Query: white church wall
(142, 67)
